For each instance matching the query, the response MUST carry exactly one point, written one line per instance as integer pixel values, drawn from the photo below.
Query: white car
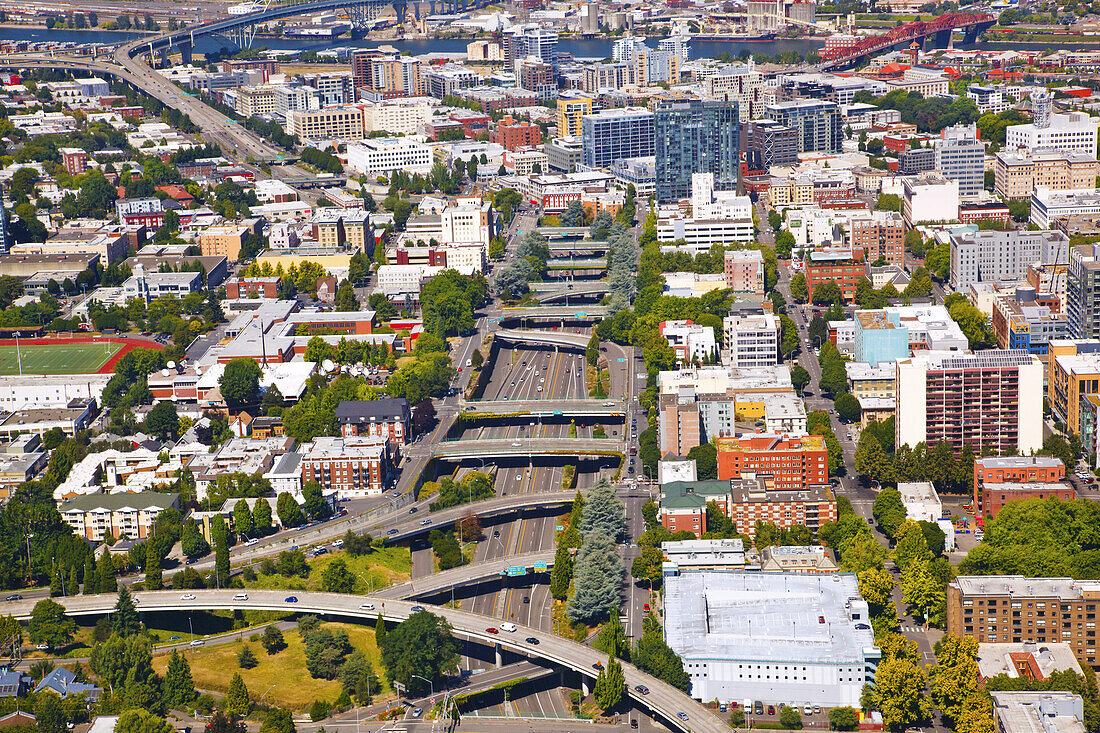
(240, 597)
(337, 543)
(187, 597)
(198, 642)
(507, 626)
(251, 542)
(367, 606)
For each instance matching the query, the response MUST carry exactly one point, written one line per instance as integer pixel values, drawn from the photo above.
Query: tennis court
(63, 358)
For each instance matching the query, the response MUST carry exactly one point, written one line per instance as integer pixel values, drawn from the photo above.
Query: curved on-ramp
(663, 699)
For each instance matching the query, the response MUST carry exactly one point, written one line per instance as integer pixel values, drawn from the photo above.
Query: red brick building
(515, 134)
(746, 500)
(794, 464)
(253, 287)
(388, 418)
(843, 265)
(75, 160)
(998, 481)
(995, 212)
(353, 467)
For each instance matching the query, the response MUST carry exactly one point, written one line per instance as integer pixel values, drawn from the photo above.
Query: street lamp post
(265, 693)
(430, 683)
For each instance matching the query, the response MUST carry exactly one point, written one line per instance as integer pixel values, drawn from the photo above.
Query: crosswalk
(911, 629)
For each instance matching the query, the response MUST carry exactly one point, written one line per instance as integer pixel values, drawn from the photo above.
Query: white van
(507, 626)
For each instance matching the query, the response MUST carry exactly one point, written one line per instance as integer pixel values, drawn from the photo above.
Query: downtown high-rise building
(695, 137)
(614, 134)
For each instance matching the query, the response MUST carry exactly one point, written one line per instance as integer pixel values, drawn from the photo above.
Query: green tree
(899, 693)
(923, 590)
(610, 685)
(153, 576)
(179, 687)
(612, 638)
(278, 720)
(888, 511)
(798, 287)
(876, 586)
(272, 639)
(246, 658)
(236, 699)
(871, 460)
(800, 378)
(142, 721)
(261, 516)
(240, 382)
(290, 514)
(592, 353)
(844, 718)
(790, 718)
(818, 330)
(162, 421)
(976, 715)
(220, 534)
(848, 408)
(336, 577)
(784, 245)
(826, 293)
(421, 645)
(242, 518)
(953, 679)
(345, 298)
(50, 625)
(706, 461)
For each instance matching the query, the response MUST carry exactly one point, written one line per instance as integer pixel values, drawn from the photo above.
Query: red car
(492, 630)
(645, 607)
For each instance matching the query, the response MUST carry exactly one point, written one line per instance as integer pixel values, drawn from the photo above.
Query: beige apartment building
(344, 123)
(223, 241)
(1016, 609)
(1016, 175)
(570, 112)
(252, 101)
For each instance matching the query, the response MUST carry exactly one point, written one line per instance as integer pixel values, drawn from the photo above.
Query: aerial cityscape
(550, 366)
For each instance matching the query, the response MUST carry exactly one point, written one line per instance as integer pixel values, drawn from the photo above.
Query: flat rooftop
(1024, 587)
(715, 615)
(995, 659)
(1019, 462)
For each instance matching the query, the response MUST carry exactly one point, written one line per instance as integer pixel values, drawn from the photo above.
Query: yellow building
(570, 112)
(1072, 373)
(223, 241)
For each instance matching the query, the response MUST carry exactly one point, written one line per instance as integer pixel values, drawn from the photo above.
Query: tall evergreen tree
(72, 585)
(90, 584)
(179, 687)
(261, 517)
(56, 586)
(125, 621)
(380, 631)
(153, 578)
(221, 551)
(105, 574)
(236, 700)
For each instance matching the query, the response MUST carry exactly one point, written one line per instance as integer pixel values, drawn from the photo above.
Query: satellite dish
(198, 369)
(327, 365)
(164, 372)
(171, 365)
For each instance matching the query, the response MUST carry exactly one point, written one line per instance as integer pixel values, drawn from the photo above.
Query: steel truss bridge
(241, 28)
(939, 28)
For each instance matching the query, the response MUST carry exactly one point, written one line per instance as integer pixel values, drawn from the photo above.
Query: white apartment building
(987, 98)
(1048, 205)
(716, 217)
(401, 279)
(929, 197)
(691, 341)
(330, 123)
(742, 84)
(750, 340)
(382, 156)
(470, 220)
(1003, 256)
(253, 101)
(401, 116)
(1075, 131)
(290, 98)
(928, 82)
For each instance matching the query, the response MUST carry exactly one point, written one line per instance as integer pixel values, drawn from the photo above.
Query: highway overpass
(559, 233)
(552, 292)
(557, 339)
(521, 448)
(557, 246)
(482, 572)
(555, 313)
(663, 699)
(544, 408)
(487, 511)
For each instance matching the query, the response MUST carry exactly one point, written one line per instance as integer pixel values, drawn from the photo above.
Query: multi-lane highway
(661, 698)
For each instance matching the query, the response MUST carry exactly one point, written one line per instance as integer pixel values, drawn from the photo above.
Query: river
(578, 47)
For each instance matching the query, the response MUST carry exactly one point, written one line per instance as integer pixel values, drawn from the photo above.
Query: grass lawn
(379, 569)
(212, 668)
(56, 359)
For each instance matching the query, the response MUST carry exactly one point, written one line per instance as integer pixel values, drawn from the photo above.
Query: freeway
(662, 698)
(518, 449)
(487, 509)
(547, 292)
(545, 408)
(560, 339)
(465, 575)
(583, 312)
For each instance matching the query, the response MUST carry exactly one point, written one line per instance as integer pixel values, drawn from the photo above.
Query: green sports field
(56, 358)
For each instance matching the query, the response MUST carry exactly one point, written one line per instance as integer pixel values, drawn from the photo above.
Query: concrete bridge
(544, 408)
(557, 339)
(662, 699)
(482, 572)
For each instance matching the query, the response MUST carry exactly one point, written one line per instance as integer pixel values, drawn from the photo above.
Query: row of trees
(513, 281)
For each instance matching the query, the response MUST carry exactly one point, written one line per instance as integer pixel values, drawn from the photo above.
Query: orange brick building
(515, 134)
(843, 265)
(998, 481)
(793, 464)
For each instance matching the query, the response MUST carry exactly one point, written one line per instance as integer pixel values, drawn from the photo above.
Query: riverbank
(41, 26)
